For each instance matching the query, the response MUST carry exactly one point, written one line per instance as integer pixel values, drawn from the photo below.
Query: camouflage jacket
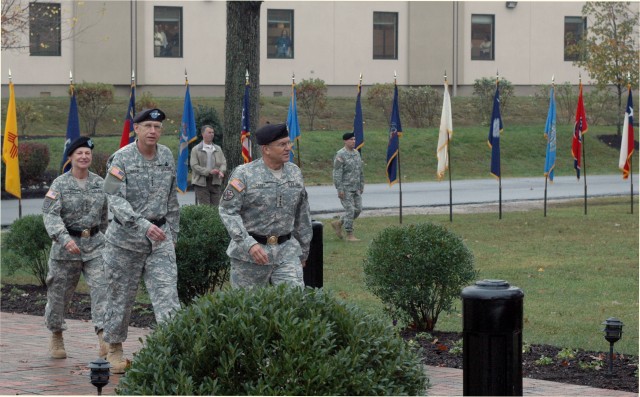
(67, 205)
(347, 171)
(140, 191)
(256, 201)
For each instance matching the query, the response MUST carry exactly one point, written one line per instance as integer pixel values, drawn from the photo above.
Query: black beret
(149, 114)
(82, 141)
(347, 135)
(271, 132)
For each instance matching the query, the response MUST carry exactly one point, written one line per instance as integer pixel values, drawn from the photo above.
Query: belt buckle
(85, 233)
(272, 240)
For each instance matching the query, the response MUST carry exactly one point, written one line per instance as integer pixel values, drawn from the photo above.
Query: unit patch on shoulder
(117, 172)
(52, 195)
(237, 184)
(227, 195)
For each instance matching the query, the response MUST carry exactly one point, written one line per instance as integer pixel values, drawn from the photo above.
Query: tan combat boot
(337, 227)
(56, 346)
(116, 358)
(104, 346)
(351, 237)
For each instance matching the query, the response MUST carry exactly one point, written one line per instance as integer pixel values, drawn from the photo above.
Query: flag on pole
(292, 123)
(128, 134)
(446, 131)
(245, 135)
(395, 132)
(358, 126)
(627, 145)
(10, 148)
(73, 131)
(550, 134)
(494, 133)
(187, 135)
(579, 130)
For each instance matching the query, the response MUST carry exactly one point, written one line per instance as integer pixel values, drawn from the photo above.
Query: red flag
(128, 135)
(579, 130)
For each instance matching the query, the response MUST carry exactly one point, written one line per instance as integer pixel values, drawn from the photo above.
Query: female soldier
(75, 216)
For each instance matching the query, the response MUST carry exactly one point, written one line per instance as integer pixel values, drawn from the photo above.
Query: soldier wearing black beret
(149, 114)
(271, 132)
(82, 141)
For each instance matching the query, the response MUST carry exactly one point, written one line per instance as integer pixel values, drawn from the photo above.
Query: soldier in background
(75, 215)
(266, 212)
(348, 178)
(208, 166)
(141, 191)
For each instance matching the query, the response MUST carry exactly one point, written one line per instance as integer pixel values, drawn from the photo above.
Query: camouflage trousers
(284, 267)
(62, 280)
(352, 204)
(125, 269)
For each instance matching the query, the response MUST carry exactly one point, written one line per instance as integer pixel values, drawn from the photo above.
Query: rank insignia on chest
(52, 195)
(117, 172)
(237, 184)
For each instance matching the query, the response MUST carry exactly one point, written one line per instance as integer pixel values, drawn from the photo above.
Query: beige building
(336, 41)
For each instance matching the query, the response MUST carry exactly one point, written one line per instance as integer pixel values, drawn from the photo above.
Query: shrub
(203, 263)
(208, 115)
(26, 115)
(274, 341)
(422, 104)
(146, 101)
(417, 271)
(33, 158)
(380, 96)
(93, 101)
(99, 163)
(312, 96)
(26, 246)
(484, 90)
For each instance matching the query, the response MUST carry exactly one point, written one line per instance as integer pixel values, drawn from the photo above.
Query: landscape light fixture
(99, 373)
(512, 4)
(612, 333)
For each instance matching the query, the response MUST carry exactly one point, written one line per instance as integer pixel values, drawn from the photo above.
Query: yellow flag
(10, 148)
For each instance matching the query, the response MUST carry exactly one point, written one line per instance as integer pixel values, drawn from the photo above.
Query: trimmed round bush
(26, 246)
(201, 252)
(274, 341)
(418, 271)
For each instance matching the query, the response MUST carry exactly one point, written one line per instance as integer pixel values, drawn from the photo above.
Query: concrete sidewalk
(25, 366)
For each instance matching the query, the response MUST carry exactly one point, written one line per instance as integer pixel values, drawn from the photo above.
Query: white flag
(446, 130)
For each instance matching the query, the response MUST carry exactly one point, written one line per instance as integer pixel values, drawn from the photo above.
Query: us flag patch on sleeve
(117, 172)
(52, 195)
(237, 184)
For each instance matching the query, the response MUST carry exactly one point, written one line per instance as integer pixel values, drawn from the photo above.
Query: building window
(167, 32)
(482, 38)
(574, 29)
(44, 29)
(280, 34)
(385, 35)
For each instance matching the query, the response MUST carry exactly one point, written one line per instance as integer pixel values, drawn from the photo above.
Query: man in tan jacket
(208, 166)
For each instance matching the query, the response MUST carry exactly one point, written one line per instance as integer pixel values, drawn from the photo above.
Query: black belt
(157, 222)
(84, 233)
(271, 240)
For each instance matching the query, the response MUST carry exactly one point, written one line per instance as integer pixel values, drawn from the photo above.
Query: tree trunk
(243, 53)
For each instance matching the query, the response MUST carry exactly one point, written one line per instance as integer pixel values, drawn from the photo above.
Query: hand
(258, 254)
(304, 264)
(155, 233)
(72, 247)
(341, 195)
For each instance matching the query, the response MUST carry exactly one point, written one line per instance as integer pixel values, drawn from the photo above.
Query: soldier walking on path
(348, 178)
(75, 215)
(141, 190)
(266, 212)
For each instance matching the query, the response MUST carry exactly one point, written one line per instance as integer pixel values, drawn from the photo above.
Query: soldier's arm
(230, 207)
(51, 208)
(173, 208)
(338, 170)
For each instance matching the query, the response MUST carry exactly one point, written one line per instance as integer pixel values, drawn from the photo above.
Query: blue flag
(187, 135)
(73, 131)
(550, 134)
(358, 127)
(395, 132)
(495, 129)
(292, 123)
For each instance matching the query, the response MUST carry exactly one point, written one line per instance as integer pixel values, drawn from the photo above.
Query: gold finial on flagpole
(360, 78)
(186, 79)
(395, 77)
(133, 75)
(246, 76)
(9, 75)
(70, 77)
(293, 78)
(445, 76)
(580, 78)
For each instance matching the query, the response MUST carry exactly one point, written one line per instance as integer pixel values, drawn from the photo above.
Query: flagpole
(19, 198)
(446, 85)
(630, 157)
(499, 176)
(395, 83)
(546, 175)
(584, 158)
(293, 85)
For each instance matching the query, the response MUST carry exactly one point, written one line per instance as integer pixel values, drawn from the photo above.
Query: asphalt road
(324, 199)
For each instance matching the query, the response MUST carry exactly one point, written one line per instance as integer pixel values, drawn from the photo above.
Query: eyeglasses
(149, 126)
(282, 145)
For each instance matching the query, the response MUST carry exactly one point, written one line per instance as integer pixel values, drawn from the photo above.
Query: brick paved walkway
(25, 366)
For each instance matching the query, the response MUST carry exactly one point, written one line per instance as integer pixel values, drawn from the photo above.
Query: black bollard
(312, 273)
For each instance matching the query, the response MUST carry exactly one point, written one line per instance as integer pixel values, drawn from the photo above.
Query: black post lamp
(99, 373)
(612, 333)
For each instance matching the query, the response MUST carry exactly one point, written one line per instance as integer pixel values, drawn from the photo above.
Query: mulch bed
(438, 348)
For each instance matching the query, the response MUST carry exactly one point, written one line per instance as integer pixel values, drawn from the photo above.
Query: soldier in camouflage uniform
(141, 190)
(266, 212)
(348, 178)
(75, 216)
